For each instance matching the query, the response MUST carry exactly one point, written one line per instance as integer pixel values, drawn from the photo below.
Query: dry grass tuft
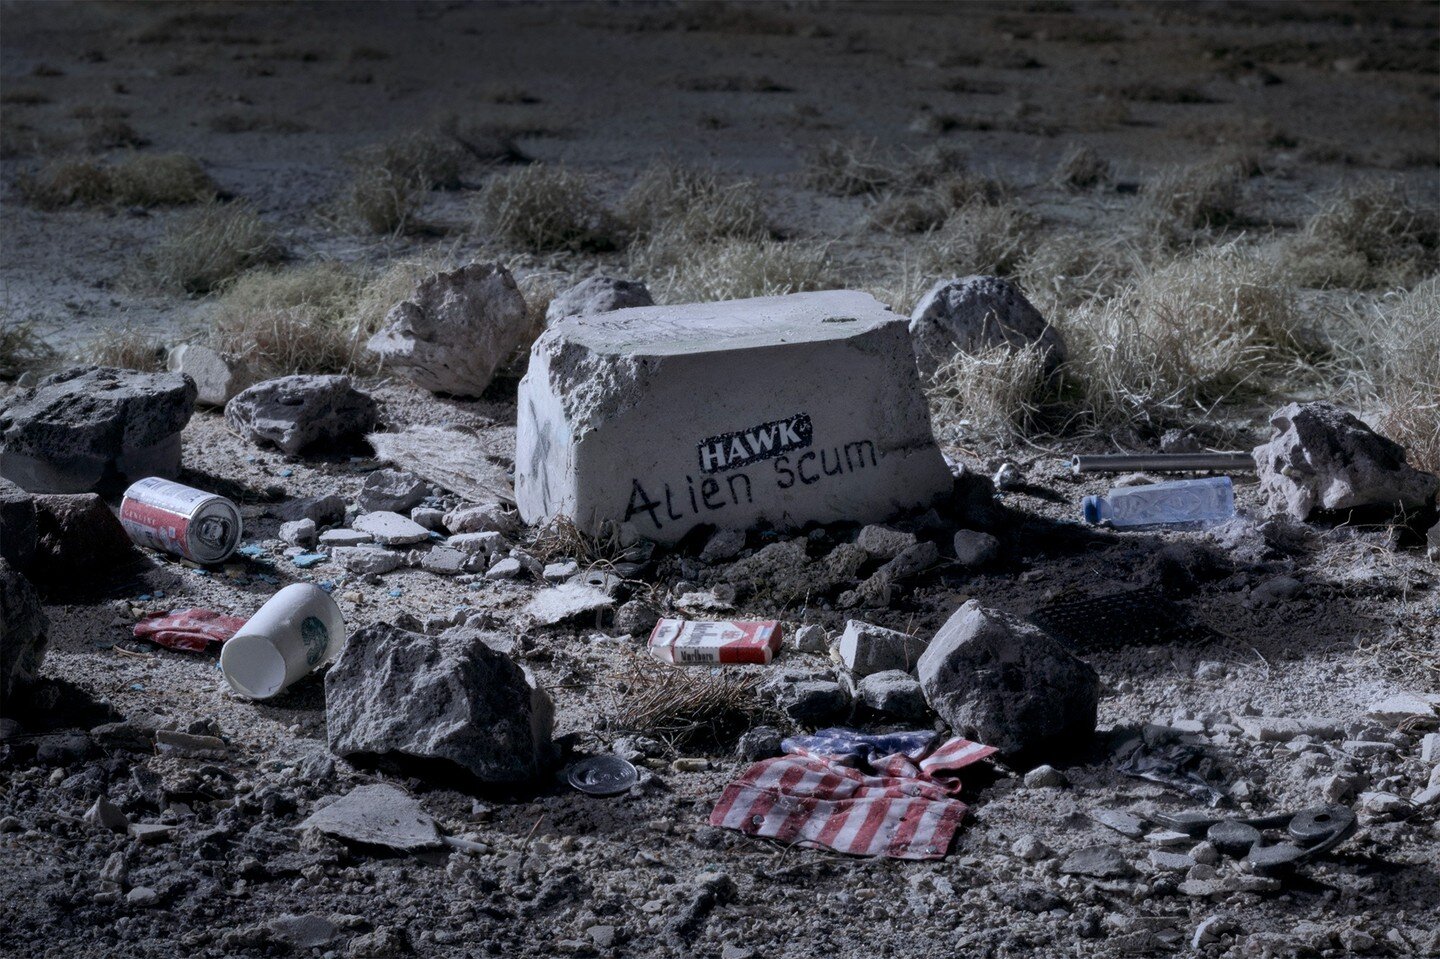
(1399, 369)
(127, 349)
(1365, 238)
(104, 132)
(294, 321)
(684, 708)
(928, 207)
(1184, 198)
(209, 246)
(696, 204)
(22, 349)
(1065, 269)
(978, 238)
(171, 179)
(679, 271)
(1180, 338)
(541, 208)
(1082, 168)
(390, 179)
(862, 167)
(998, 393)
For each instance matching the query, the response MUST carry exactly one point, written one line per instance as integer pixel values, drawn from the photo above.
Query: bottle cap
(1090, 505)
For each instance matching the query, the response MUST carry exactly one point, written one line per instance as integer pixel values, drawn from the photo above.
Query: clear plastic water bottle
(1183, 501)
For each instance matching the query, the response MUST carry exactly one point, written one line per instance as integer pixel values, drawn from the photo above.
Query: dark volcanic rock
(297, 412)
(976, 313)
(17, 526)
(22, 635)
(1004, 682)
(79, 540)
(92, 428)
(402, 695)
(598, 294)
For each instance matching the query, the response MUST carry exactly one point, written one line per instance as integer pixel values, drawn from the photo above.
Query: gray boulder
(17, 526)
(1004, 682)
(218, 376)
(456, 329)
(866, 649)
(22, 635)
(598, 294)
(78, 540)
(93, 427)
(1324, 458)
(976, 313)
(398, 695)
(811, 699)
(895, 693)
(975, 549)
(393, 491)
(297, 412)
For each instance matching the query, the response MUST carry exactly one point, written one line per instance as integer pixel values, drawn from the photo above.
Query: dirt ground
(752, 89)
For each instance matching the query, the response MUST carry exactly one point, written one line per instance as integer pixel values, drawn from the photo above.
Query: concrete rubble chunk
(507, 568)
(23, 634)
(567, 601)
(459, 706)
(78, 538)
(300, 532)
(391, 491)
(390, 529)
(895, 693)
(598, 294)
(334, 538)
(489, 518)
(976, 313)
(296, 413)
(94, 428)
(812, 699)
(218, 376)
(104, 814)
(307, 931)
(17, 526)
(1005, 682)
(1126, 824)
(706, 422)
(367, 560)
(1099, 862)
(1321, 457)
(1400, 707)
(866, 649)
(455, 329)
(444, 561)
(884, 542)
(429, 517)
(1282, 729)
(810, 638)
(377, 815)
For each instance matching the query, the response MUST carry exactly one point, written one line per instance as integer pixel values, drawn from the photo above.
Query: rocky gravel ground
(1312, 630)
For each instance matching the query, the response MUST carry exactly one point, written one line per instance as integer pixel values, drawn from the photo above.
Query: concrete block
(787, 409)
(867, 649)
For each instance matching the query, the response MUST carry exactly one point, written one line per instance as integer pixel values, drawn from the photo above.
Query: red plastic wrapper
(191, 630)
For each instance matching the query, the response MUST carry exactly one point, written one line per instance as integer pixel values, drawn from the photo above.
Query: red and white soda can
(174, 518)
(682, 642)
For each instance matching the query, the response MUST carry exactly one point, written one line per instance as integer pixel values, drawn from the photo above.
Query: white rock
(367, 560)
(1430, 748)
(1400, 707)
(810, 638)
(455, 329)
(478, 544)
(566, 601)
(429, 517)
(300, 533)
(345, 537)
(1031, 849)
(884, 542)
(866, 649)
(489, 518)
(1044, 777)
(391, 529)
(507, 568)
(218, 377)
(660, 419)
(560, 572)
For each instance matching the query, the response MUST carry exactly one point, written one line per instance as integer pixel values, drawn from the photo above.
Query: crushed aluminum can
(681, 642)
(602, 776)
(173, 518)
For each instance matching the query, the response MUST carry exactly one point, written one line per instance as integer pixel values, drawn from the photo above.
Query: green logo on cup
(316, 639)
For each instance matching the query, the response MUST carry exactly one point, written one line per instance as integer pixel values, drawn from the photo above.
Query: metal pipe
(1163, 462)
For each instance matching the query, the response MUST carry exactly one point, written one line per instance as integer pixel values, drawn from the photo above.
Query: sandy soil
(1353, 87)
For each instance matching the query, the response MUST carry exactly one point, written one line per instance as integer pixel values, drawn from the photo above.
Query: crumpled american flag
(820, 795)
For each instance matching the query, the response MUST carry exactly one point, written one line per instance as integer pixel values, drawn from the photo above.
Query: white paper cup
(287, 639)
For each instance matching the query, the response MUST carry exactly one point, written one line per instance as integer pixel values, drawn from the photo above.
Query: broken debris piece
(377, 815)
